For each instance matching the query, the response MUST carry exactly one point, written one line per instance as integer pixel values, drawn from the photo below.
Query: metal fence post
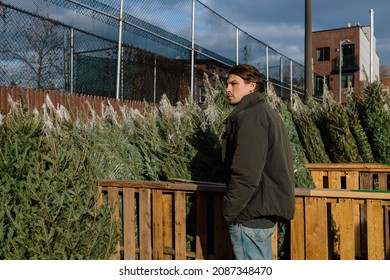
(291, 81)
(281, 70)
(267, 66)
(154, 78)
(72, 60)
(66, 61)
(192, 50)
(119, 62)
(237, 42)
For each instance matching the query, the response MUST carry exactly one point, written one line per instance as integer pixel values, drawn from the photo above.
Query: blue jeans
(251, 243)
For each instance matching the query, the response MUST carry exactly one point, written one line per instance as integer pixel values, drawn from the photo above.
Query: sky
(281, 23)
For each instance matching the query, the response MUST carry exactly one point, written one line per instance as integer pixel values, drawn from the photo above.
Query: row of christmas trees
(184, 141)
(49, 161)
(356, 132)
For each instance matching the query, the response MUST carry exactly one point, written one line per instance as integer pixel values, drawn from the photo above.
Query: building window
(323, 54)
(348, 55)
(347, 79)
(202, 95)
(320, 81)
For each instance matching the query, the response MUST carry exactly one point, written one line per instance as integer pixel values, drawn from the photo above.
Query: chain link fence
(165, 47)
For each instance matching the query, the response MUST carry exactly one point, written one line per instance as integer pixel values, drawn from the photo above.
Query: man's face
(237, 88)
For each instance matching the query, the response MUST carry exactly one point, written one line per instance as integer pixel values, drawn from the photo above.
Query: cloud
(272, 31)
(287, 39)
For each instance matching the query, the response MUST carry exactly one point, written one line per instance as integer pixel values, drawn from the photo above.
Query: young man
(259, 167)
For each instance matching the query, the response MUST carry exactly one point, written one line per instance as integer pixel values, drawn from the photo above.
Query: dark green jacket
(258, 159)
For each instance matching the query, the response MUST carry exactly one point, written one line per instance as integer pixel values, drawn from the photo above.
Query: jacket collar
(247, 101)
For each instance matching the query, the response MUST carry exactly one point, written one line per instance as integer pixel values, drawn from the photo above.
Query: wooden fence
(74, 103)
(156, 223)
(359, 177)
(162, 220)
(340, 224)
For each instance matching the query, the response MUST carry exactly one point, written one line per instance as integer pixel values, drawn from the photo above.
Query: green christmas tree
(373, 108)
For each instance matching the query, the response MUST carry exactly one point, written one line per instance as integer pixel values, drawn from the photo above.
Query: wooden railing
(351, 176)
(163, 220)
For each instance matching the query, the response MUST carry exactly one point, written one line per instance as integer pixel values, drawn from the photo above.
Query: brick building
(355, 66)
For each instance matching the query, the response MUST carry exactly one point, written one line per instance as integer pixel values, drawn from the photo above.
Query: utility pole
(371, 46)
(308, 52)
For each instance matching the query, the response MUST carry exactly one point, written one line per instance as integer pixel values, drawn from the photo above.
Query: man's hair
(249, 74)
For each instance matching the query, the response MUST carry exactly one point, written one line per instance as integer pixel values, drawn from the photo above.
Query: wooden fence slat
(352, 180)
(357, 229)
(318, 178)
(382, 181)
(129, 230)
(219, 223)
(375, 244)
(316, 229)
(10, 95)
(346, 230)
(145, 236)
(3, 100)
(366, 181)
(275, 244)
(297, 240)
(158, 241)
(180, 225)
(39, 99)
(334, 179)
(113, 201)
(168, 232)
(201, 226)
(99, 196)
(387, 231)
